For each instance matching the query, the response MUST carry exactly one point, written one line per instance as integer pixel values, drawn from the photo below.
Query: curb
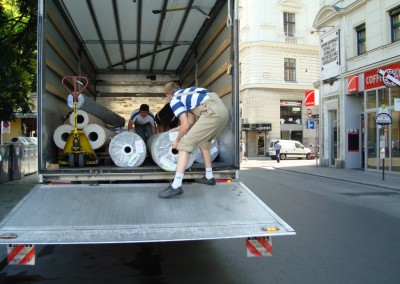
(342, 179)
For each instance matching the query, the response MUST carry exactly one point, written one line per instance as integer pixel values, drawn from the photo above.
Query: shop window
(395, 23)
(289, 24)
(371, 99)
(395, 94)
(290, 69)
(290, 112)
(395, 144)
(383, 97)
(361, 39)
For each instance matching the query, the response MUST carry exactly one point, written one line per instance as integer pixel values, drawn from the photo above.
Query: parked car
(290, 149)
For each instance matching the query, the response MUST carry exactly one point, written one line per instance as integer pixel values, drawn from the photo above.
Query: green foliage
(17, 56)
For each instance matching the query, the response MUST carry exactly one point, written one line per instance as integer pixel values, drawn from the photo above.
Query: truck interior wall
(62, 58)
(212, 59)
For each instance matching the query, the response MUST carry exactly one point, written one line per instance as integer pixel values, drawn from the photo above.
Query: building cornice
(329, 13)
(264, 86)
(278, 45)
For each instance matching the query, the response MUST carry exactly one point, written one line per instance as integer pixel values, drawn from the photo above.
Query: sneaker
(204, 180)
(170, 192)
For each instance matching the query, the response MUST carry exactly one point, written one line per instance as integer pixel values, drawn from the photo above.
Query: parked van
(290, 149)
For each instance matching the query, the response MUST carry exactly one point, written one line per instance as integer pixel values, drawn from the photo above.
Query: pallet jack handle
(76, 82)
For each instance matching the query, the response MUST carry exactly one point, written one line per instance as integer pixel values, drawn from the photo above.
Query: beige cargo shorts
(212, 118)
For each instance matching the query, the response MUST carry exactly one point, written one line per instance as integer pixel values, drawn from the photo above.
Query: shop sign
(290, 103)
(330, 55)
(352, 84)
(256, 127)
(373, 80)
(390, 77)
(312, 98)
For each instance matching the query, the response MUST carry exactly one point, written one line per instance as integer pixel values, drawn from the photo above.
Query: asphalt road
(346, 233)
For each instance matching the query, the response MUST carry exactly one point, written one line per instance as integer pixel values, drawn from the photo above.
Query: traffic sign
(310, 124)
(5, 127)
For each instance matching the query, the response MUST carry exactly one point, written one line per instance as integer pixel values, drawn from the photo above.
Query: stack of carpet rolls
(97, 132)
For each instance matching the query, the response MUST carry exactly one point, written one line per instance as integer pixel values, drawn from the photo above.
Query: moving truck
(128, 50)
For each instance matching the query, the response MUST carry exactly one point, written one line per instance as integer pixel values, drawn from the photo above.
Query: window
(395, 24)
(290, 112)
(288, 24)
(361, 39)
(290, 69)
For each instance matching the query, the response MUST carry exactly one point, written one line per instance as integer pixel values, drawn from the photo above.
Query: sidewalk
(371, 178)
(13, 191)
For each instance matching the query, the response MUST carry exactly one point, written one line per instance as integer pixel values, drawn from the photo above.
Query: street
(345, 233)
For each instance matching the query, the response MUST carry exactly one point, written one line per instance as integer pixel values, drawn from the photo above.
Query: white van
(290, 149)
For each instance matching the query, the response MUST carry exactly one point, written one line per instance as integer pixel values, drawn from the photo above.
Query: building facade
(279, 64)
(360, 56)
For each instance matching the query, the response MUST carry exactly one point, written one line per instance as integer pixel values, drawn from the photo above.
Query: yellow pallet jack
(77, 151)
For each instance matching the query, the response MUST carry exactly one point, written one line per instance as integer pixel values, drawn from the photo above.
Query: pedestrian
(242, 147)
(277, 148)
(212, 117)
(142, 121)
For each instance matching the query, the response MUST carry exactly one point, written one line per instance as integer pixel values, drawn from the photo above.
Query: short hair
(144, 107)
(170, 87)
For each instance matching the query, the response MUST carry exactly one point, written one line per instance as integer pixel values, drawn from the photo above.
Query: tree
(17, 56)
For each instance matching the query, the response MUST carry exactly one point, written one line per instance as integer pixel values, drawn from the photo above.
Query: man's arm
(130, 124)
(183, 128)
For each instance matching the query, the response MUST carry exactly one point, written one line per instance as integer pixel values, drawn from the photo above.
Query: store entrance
(260, 144)
(333, 139)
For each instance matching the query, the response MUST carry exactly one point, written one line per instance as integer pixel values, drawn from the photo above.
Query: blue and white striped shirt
(187, 99)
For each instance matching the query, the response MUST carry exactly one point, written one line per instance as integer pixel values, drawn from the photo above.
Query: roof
(140, 36)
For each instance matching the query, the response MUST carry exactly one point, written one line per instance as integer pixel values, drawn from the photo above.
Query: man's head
(170, 89)
(144, 110)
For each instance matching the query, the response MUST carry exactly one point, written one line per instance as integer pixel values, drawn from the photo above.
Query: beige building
(360, 46)
(279, 63)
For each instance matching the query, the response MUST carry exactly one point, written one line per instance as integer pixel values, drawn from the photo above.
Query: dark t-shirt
(166, 117)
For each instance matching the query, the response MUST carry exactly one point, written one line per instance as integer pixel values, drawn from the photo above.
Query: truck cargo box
(128, 50)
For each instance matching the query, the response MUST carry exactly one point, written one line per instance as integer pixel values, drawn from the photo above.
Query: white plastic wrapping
(98, 136)
(89, 105)
(214, 150)
(61, 134)
(127, 149)
(84, 118)
(162, 153)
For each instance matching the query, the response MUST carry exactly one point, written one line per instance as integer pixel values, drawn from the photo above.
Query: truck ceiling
(137, 36)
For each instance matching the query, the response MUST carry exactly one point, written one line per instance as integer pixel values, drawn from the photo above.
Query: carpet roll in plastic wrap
(127, 149)
(214, 150)
(87, 104)
(61, 134)
(98, 136)
(162, 153)
(84, 118)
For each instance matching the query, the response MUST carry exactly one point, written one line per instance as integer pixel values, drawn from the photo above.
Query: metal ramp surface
(132, 213)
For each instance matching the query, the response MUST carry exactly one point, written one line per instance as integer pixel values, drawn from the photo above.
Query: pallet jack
(77, 150)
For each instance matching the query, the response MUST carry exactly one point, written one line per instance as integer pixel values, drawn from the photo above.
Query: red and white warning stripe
(259, 246)
(21, 254)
